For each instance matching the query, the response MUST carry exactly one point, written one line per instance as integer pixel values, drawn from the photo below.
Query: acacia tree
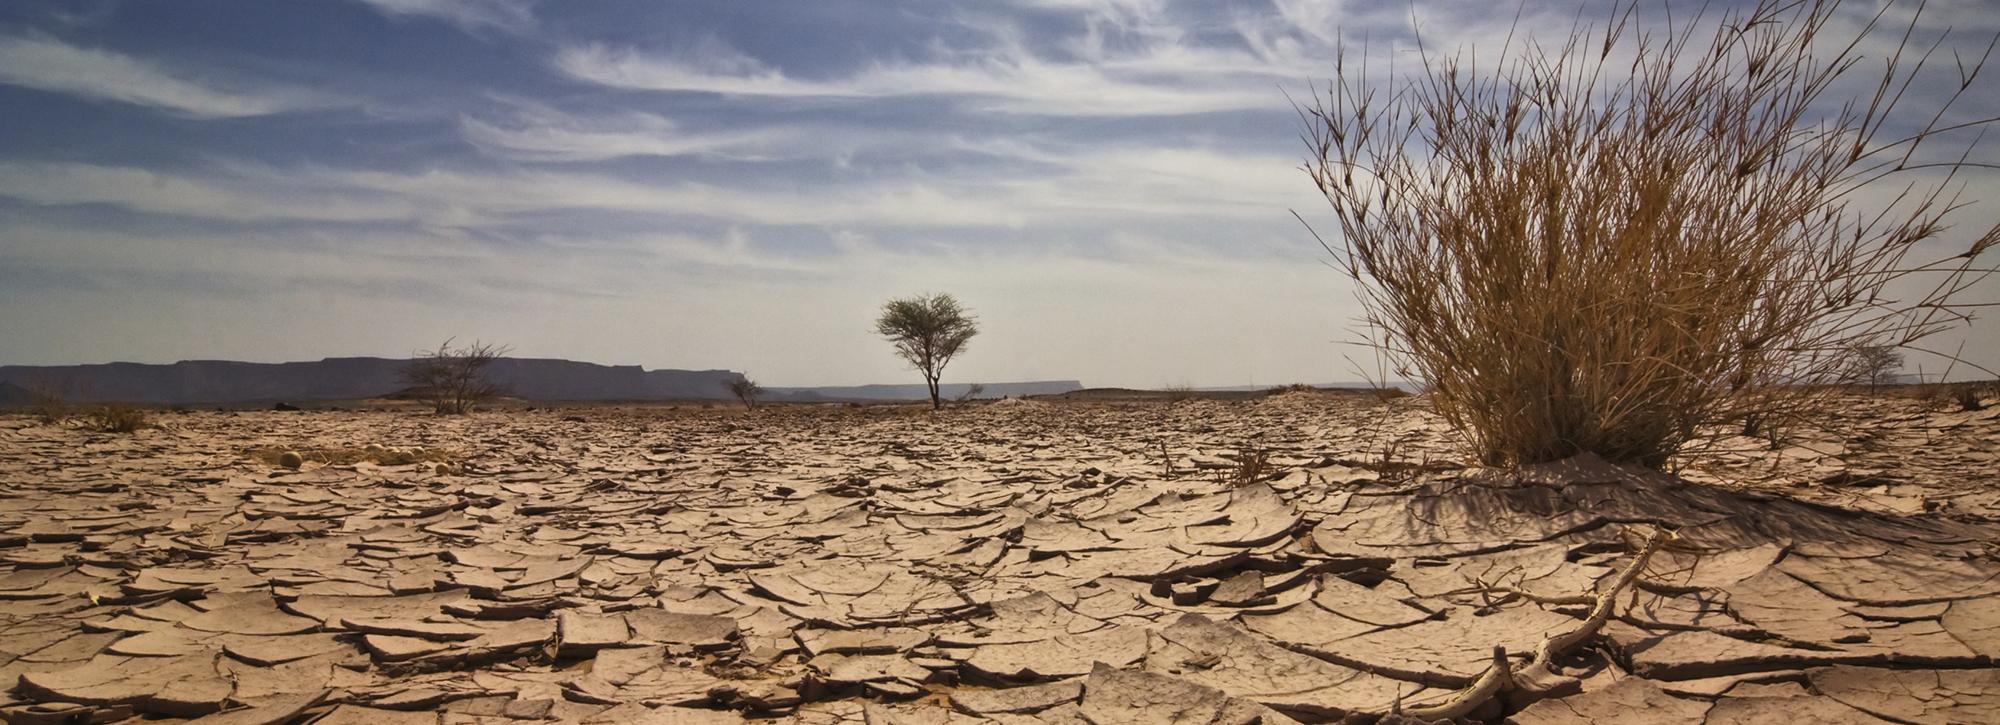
(1873, 365)
(745, 390)
(453, 378)
(928, 331)
(1620, 241)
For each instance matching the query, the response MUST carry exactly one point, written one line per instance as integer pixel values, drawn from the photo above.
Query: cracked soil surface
(1063, 561)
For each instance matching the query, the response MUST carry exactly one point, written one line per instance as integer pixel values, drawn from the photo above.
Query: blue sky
(1107, 183)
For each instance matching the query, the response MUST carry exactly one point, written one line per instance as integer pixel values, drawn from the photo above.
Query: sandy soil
(1020, 561)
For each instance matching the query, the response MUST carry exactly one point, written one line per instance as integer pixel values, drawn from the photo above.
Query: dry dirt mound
(1050, 563)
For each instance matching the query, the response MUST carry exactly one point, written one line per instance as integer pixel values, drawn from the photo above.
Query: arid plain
(1309, 556)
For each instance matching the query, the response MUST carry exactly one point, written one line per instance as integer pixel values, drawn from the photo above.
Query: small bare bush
(116, 418)
(452, 379)
(1968, 397)
(1386, 393)
(48, 404)
(1252, 465)
(1615, 242)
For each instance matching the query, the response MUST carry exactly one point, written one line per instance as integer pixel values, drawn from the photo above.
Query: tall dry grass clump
(1612, 243)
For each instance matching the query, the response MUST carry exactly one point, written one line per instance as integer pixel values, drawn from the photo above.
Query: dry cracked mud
(1013, 562)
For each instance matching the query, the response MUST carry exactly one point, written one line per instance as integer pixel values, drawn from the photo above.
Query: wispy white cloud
(52, 65)
(472, 16)
(535, 132)
(1009, 80)
(186, 194)
(1067, 185)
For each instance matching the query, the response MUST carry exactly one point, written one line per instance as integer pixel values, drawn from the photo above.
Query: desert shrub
(1178, 393)
(116, 418)
(1967, 397)
(928, 331)
(1613, 243)
(972, 392)
(452, 379)
(1292, 388)
(48, 404)
(745, 390)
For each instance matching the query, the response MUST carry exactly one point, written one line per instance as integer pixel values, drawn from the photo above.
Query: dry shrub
(1386, 394)
(1252, 465)
(1968, 397)
(746, 390)
(1292, 388)
(48, 404)
(452, 379)
(1615, 242)
(348, 455)
(116, 418)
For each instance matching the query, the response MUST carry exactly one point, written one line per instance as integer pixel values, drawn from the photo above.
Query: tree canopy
(928, 330)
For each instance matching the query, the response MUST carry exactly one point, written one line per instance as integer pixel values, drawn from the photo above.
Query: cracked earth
(1062, 561)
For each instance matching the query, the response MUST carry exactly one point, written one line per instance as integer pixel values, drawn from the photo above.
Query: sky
(1109, 185)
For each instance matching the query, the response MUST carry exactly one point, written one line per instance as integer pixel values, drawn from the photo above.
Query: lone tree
(452, 378)
(745, 390)
(928, 331)
(1615, 242)
(1873, 365)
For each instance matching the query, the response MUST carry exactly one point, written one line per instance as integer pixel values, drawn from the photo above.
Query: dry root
(1536, 678)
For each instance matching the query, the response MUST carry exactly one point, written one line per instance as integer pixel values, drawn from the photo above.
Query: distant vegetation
(48, 404)
(928, 331)
(1969, 397)
(51, 406)
(1873, 365)
(452, 379)
(1615, 243)
(745, 390)
(116, 418)
(1292, 388)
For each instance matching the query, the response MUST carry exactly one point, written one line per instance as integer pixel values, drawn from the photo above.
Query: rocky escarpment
(222, 381)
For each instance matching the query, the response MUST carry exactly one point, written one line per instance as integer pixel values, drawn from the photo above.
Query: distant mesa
(12, 395)
(355, 378)
(352, 378)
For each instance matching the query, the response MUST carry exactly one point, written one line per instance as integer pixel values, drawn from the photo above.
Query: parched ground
(1022, 561)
